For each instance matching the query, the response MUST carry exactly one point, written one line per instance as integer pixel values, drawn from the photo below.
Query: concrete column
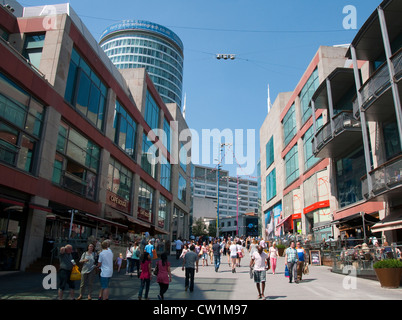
(34, 234)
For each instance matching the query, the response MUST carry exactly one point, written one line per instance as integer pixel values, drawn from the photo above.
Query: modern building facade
(77, 142)
(363, 135)
(143, 44)
(237, 197)
(295, 184)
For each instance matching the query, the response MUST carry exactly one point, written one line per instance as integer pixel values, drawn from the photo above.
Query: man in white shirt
(105, 263)
(258, 260)
(179, 248)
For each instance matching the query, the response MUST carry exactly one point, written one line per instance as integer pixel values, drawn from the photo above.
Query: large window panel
(291, 165)
(125, 129)
(85, 91)
(289, 125)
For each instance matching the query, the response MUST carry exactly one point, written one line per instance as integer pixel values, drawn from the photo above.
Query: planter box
(389, 277)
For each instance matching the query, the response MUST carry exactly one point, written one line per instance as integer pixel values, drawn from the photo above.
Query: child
(119, 261)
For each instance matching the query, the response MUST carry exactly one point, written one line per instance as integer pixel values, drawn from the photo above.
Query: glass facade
(269, 151)
(21, 120)
(145, 201)
(152, 112)
(163, 212)
(292, 165)
(120, 179)
(160, 56)
(349, 171)
(85, 90)
(289, 125)
(271, 185)
(309, 159)
(307, 93)
(166, 169)
(76, 163)
(33, 48)
(182, 192)
(148, 157)
(125, 129)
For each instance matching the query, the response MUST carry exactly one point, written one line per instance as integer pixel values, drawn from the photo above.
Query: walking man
(258, 261)
(217, 250)
(190, 263)
(179, 248)
(291, 259)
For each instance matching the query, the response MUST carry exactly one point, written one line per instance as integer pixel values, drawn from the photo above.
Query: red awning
(283, 221)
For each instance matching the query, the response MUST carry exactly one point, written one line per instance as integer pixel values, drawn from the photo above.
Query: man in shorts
(258, 261)
(105, 262)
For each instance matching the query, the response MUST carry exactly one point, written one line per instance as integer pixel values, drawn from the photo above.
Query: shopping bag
(305, 269)
(154, 255)
(75, 273)
(286, 271)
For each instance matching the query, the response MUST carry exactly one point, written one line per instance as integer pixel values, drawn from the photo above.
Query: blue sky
(274, 41)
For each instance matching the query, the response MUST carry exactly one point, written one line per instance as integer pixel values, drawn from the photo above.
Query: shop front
(13, 222)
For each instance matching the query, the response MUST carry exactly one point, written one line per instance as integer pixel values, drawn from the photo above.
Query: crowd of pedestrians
(142, 260)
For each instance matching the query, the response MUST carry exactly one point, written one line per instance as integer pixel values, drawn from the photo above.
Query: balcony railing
(343, 121)
(378, 83)
(386, 177)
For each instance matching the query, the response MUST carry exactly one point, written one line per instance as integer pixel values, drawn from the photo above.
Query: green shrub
(388, 263)
(280, 246)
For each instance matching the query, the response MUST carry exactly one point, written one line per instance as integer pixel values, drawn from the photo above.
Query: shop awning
(391, 222)
(283, 221)
(356, 220)
(119, 225)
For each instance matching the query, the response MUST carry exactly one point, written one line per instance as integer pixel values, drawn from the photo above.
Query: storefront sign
(117, 202)
(144, 215)
(316, 206)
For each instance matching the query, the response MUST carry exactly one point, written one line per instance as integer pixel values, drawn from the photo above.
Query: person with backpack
(135, 258)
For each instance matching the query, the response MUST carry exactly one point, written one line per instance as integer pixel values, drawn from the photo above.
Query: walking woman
(228, 244)
(233, 255)
(145, 275)
(164, 276)
(88, 271)
(273, 256)
(135, 258)
(204, 254)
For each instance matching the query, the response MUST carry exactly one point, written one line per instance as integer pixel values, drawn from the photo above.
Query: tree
(199, 228)
(212, 229)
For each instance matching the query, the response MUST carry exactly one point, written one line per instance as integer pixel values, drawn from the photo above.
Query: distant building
(236, 198)
(143, 44)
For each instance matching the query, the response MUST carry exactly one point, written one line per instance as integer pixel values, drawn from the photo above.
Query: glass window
(292, 165)
(33, 48)
(163, 212)
(145, 201)
(85, 90)
(183, 157)
(307, 93)
(269, 150)
(149, 156)
(182, 192)
(349, 171)
(151, 112)
(21, 119)
(166, 169)
(76, 162)
(391, 139)
(125, 129)
(120, 179)
(309, 159)
(271, 185)
(289, 125)
(166, 138)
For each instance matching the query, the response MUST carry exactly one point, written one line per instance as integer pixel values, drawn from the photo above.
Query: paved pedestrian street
(319, 284)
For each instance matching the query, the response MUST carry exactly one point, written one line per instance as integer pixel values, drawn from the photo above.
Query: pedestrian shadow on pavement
(274, 297)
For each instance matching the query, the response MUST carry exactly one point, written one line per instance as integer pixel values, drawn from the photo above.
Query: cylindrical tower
(144, 44)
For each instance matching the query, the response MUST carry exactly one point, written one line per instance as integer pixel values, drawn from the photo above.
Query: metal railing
(384, 178)
(342, 121)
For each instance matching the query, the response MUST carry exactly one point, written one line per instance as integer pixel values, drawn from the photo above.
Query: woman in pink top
(164, 275)
(145, 275)
(273, 255)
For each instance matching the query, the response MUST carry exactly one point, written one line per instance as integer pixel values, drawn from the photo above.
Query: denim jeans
(144, 283)
(217, 261)
(292, 266)
(190, 272)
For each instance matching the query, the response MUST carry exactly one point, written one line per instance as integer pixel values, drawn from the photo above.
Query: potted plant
(389, 272)
(281, 248)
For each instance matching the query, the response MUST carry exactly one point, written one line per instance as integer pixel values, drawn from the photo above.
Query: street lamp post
(219, 168)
